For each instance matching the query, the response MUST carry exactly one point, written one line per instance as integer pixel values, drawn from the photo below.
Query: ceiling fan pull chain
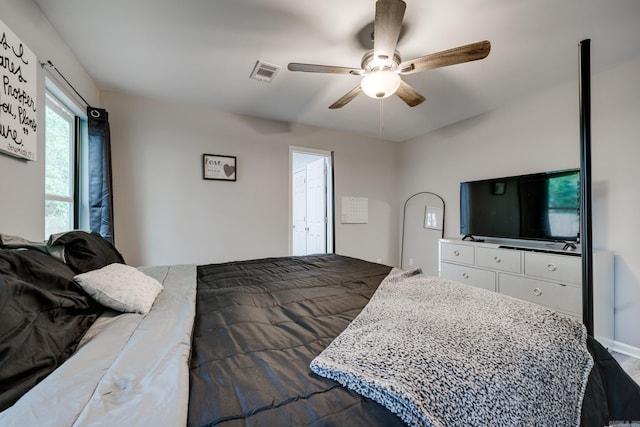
(381, 118)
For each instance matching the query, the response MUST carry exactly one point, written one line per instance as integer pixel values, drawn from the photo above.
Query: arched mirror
(422, 228)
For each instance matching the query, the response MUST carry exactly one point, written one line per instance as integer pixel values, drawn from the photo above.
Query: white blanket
(439, 353)
(130, 370)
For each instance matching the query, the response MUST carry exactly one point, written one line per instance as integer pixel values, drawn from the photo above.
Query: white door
(316, 207)
(311, 215)
(300, 212)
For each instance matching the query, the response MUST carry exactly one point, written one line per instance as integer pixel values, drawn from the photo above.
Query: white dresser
(552, 278)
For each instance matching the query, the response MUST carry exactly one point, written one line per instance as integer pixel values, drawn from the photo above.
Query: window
(564, 205)
(61, 138)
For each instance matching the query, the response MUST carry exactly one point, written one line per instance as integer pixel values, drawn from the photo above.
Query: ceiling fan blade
(409, 95)
(314, 68)
(387, 26)
(348, 97)
(457, 55)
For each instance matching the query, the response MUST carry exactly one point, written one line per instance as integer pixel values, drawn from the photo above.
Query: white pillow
(121, 287)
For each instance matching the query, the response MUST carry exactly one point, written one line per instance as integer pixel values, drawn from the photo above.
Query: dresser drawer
(457, 253)
(498, 259)
(469, 275)
(560, 297)
(563, 268)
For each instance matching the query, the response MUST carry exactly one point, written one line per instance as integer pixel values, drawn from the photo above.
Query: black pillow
(85, 251)
(43, 316)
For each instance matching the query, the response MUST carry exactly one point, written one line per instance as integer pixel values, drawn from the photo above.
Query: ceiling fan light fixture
(380, 84)
(381, 67)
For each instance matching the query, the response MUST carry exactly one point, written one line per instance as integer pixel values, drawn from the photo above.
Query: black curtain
(100, 183)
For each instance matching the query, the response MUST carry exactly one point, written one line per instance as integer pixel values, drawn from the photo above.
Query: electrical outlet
(410, 262)
(379, 260)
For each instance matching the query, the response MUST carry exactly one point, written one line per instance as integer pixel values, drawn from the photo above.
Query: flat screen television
(541, 206)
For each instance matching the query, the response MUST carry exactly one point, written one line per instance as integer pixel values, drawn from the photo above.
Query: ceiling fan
(382, 67)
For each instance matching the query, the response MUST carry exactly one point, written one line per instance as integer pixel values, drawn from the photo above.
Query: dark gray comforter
(260, 323)
(258, 326)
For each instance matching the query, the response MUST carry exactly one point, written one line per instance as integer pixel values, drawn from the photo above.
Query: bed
(284, 341)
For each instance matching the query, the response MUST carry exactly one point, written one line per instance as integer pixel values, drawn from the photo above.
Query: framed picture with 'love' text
(217, 167)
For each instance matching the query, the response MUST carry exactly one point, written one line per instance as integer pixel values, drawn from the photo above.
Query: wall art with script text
(18, 93)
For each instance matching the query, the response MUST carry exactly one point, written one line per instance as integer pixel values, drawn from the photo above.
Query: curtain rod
(50, 64)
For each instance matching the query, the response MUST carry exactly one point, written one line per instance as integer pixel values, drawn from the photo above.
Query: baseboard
(626, 349)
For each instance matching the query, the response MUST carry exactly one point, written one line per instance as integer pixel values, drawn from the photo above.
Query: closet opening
(311, 224)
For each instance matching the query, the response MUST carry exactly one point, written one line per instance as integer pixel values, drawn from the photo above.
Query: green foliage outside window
(59, 139)
(564, 193)
(59, 135)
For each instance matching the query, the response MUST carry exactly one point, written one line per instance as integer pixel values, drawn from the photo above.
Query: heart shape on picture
(229, 170)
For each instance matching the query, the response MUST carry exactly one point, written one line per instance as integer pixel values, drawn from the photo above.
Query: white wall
(165, 213)
(542, 133)
(22, 182)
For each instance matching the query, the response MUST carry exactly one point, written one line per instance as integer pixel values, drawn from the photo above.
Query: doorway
(311, 216)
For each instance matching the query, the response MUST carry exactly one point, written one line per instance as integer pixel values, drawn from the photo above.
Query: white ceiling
(203, 51)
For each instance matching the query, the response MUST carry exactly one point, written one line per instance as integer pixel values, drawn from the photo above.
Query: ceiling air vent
(264, 72)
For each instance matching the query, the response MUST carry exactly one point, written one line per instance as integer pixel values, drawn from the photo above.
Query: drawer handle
(456, 253)
(537, 291)
(551, 267)
(465, 275)
(497, 259)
